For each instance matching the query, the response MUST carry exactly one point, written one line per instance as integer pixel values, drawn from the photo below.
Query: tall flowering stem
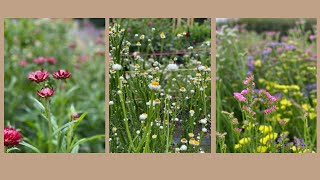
(48, 113)
(248, 100)
(124, 112)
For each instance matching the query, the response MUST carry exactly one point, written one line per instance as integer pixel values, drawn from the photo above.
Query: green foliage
(261, 25)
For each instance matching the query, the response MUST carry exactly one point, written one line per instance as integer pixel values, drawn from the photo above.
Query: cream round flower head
(154, 136)
(204, 130)
(191, 112)
(111, 103)
(154, 85)
(143, 116)
(172, 67)
(203, 121)
(116, 67)
(183, 148)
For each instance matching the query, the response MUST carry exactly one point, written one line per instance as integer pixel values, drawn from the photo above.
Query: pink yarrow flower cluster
(249, 96)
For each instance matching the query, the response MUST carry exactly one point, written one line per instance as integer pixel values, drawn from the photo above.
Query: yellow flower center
(155, 83)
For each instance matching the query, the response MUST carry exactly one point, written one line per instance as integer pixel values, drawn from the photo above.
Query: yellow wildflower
(262, 149)
(265, 129)
(244, 141)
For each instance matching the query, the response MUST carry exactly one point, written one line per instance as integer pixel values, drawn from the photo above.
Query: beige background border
(157, 166)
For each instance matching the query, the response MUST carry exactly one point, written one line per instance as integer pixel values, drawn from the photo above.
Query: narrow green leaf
(30, 146)
(86, 140)
(12, 149)
(64, 126)
(37, 103)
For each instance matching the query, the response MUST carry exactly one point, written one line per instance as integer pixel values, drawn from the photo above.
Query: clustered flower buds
(12, 137)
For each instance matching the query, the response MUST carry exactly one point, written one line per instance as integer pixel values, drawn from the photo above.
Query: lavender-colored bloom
(272, 44)
(299, 142)
(250, 66)
(266, 51)
(250, 58)
(290, 47)
(311, 86)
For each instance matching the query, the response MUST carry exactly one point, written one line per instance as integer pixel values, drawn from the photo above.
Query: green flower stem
(146, 132)
(49, 125)
(125, 113)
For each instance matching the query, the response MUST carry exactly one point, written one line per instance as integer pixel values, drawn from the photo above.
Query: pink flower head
(307, 51)
(270, 110)
(270, 97)
(39, 60)
(61, 74)
(11, 137)
(38, 76)
(239, 96)
(244, 92)
(23, 62)
(249, 80)
(279, 50)
(312, 36)
(51, 60)
(75, 115)
(46, 92)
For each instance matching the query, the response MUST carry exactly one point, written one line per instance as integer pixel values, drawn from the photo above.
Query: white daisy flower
(154, 85)
(116, 67)
(143, 116)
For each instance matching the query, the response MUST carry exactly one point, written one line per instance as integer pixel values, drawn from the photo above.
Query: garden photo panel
(54, 79)
(160, 85)
(266, 85)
